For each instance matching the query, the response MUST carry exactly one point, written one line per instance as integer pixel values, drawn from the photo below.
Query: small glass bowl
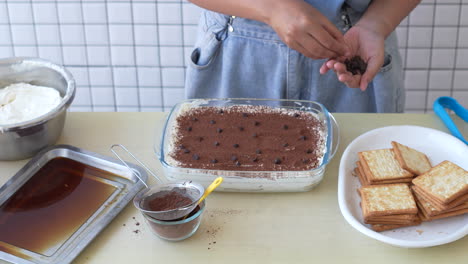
(179, 229)
(192, 190)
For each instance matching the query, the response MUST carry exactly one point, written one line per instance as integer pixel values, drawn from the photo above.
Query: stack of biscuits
(442, 191)
(388, 206)
(400, 188)
(399, 164)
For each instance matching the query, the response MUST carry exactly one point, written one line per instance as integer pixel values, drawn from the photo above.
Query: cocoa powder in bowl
(167, 200)
(169, 204)
(177, 229)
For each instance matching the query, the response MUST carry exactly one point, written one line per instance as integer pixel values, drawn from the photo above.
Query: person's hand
(367, 44)
(305, 29)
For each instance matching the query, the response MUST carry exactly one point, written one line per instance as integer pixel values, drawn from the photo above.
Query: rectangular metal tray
(126, 186)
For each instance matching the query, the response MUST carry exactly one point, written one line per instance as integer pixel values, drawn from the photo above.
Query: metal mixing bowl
(23, 140)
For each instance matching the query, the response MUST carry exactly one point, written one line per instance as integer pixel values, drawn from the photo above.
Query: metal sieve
(192, 190)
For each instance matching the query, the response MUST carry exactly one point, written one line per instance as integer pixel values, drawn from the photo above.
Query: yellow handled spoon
(208, 190)
(211, 188)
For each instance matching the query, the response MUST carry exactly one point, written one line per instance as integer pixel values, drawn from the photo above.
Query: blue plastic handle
(448, 102)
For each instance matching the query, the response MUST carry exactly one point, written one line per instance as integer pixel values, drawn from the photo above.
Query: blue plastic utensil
(450, 103)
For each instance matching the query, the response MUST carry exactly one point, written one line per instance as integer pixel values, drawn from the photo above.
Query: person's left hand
(367, 44)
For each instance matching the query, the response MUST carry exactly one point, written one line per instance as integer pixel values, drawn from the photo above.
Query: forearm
(383, 16)
(257, 10)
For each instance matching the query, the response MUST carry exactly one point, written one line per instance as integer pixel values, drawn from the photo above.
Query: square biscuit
(382, 227)
(445, 215)
(360, 174)
(426, 216)
(410, 159)
(392, 219)
(436, 204)
(430, 210)
(359, 171)
(402, 217)
(426, 207)
(445, 182)
(381, 165)
(387, 199)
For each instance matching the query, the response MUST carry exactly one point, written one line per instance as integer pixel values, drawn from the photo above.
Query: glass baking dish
(251, 181)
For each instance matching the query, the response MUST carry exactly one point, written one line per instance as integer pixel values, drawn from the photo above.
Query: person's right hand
(305, 29)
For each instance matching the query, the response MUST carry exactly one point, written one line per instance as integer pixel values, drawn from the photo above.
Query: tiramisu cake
(247, 138)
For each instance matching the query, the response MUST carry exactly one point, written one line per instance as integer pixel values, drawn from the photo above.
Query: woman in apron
(295, 49)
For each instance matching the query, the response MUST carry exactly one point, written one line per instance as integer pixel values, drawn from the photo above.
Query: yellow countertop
(243, 227)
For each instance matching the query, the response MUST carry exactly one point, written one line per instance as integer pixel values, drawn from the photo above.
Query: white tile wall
(131, 55)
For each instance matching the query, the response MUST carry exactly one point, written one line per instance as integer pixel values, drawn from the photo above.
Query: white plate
(438, 146)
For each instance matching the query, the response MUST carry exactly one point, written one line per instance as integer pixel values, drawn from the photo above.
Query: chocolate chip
(285, 127)
(255, 159)
(186, 151)
(233, 157)
(254, 135)
(216, 143)
(356, 65)
(195, 157)
(296, 115)
(238, 163)
(189, 129)
(258, 151)
(303, 138)
(309, 151)
(256, 123)
(219, 130)
(214, 161)
(241, 128)
(212, 122)
(200, 139)
(235, 145)
(245, 115)
(194, 119)
(220, 111)
(277, 161)
(285, 144)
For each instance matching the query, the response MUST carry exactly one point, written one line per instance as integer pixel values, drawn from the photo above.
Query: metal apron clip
(345, 17)
(230, 21)
(222, 34)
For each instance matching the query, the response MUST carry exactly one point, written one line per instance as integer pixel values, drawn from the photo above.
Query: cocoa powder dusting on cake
(271, 139)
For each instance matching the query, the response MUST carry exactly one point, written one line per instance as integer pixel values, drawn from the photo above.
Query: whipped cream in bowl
(21, 102)
(35, 95)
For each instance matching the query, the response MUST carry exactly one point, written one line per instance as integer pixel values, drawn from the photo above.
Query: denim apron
(240, 58)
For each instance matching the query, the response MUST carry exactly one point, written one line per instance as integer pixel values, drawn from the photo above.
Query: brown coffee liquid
(52, 205)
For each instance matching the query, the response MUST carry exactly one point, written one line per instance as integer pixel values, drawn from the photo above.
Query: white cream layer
(20, 102)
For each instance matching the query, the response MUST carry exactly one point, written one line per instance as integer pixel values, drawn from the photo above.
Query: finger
(324, 68)
(346, 78)
(331, 64)
(341, 68)
(328, 65)
(339, 43)
(333, 30)
(350, 80)
(327, 40)
(298, 47)
(373, 67)
(314, 47)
